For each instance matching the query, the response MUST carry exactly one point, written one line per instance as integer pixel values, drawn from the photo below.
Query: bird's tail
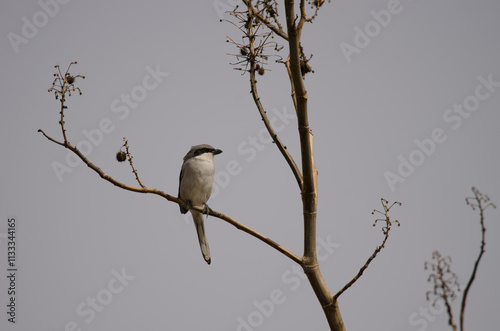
(202, 238)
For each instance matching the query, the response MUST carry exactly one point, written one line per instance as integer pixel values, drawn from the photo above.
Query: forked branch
(267, 15)
(252, 58)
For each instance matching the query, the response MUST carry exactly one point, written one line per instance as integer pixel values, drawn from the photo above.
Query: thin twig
(385, 230)
(51, 139)
(130, 157)
(62, 85)
(253, 84)
(303, 16)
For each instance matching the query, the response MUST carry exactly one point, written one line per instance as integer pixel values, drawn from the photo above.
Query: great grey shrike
(195, 186)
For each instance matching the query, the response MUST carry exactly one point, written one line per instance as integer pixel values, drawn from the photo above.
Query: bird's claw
(206, 209)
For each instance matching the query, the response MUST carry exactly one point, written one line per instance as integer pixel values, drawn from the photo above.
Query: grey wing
(182, 208)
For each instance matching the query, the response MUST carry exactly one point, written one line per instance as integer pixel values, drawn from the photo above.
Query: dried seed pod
(121, 156)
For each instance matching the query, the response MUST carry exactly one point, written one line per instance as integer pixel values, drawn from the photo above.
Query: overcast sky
(404, 104)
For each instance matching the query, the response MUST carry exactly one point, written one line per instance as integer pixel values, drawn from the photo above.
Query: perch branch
(171, 198)
(146, 190)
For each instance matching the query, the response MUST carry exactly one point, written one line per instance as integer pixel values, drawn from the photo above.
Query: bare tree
(445, 282)
(259, 23)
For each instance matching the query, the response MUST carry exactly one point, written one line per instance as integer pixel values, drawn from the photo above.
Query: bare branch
(292, 88)
(263, 114)
(252, 58)
(445, 281)
(255, 234)
(284, 151)
(303, 16)
(310, 177)
(50, 138)
(480, 202)
(309, 172)
(386, 218)
(445, 284)
(385, 230)
(146, 190)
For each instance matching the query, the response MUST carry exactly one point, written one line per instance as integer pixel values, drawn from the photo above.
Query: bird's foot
(206, 209)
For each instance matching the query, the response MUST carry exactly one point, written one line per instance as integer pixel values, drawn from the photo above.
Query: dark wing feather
(182, 208)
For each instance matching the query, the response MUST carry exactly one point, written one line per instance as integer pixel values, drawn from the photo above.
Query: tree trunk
(309, 173)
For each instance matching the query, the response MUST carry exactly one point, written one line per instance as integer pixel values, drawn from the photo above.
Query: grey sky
(429, 72)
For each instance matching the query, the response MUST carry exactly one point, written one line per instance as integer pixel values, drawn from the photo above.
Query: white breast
(197, 179)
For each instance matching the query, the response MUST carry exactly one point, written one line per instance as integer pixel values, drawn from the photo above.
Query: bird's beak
(217, 151)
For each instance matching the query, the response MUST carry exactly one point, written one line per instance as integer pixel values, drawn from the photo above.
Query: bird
(195, 187)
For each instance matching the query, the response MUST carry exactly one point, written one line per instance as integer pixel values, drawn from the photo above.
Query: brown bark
(309, 173)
